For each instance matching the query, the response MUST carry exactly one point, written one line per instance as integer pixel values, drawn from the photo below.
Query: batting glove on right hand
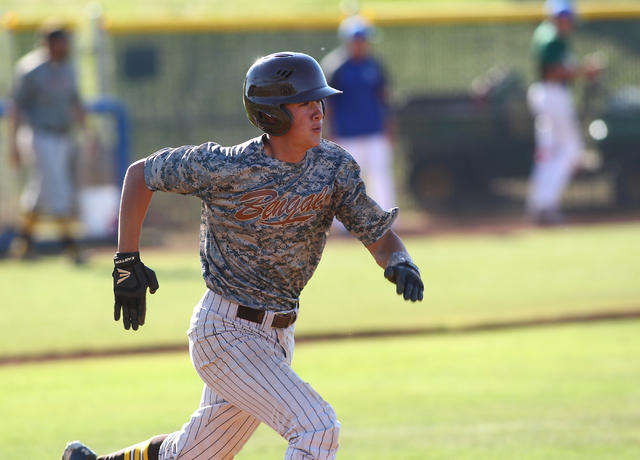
(130, 281)
(406, 276)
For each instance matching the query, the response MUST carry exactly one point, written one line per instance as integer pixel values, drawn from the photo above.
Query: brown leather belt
(280, 320)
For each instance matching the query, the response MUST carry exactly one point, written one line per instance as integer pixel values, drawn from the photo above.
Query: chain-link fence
(184, 85)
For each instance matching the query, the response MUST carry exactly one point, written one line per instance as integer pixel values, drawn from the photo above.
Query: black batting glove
(406, 277)
(130, 281)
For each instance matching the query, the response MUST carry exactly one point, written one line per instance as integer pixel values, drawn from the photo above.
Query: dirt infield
(480, 327)
(508, 223)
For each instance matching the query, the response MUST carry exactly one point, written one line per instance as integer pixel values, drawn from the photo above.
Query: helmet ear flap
(288, 116)
(273, 120)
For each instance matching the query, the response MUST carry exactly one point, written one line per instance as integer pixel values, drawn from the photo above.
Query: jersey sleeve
(188, 170)
(548, 47)
(358, 212)
(21, 91)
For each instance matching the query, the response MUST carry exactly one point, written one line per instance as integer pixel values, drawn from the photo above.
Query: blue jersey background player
(359, 118)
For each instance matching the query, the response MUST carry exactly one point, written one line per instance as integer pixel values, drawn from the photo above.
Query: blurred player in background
(45, 108)
(268, 205)
(558, 138)
(359, 118)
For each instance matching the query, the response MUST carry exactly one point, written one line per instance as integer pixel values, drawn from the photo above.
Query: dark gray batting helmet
(282, 78)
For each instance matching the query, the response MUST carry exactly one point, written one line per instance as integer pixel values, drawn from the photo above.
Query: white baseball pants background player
(558, 146)
(248, 379)
(374, 155)
(50, 184)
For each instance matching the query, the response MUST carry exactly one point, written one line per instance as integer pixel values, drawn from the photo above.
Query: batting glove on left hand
(130, 281)
(406, 276)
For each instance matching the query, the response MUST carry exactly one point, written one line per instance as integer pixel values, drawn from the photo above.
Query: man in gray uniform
(46, 102)
(268, 205)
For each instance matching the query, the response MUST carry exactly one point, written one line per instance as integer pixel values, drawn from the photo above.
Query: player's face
(564, 24)
(306, 129)
(359, 48)
(58, 49)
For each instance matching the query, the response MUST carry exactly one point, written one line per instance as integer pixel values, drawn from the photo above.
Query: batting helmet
(282, 78)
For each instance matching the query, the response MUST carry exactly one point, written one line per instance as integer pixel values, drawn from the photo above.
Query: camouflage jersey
(265, 222)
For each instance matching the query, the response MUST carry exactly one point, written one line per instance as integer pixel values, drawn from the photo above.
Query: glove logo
(123, 275)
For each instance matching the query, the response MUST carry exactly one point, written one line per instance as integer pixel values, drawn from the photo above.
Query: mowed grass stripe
(609, 316)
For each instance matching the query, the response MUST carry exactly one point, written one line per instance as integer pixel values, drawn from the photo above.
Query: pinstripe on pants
(248, 379)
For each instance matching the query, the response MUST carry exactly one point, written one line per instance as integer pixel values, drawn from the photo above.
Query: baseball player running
(268, 205)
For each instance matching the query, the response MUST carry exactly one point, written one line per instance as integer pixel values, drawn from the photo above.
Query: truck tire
(628, 186)
(434, 186)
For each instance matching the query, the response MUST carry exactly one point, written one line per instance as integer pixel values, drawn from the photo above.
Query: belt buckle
(290, 317)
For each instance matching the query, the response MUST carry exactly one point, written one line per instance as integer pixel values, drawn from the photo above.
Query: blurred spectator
(559, 142)
(358, 119)
(45, 107)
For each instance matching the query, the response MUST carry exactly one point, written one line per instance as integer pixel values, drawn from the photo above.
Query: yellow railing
(504, 12)
(11, 21)
(383, 15)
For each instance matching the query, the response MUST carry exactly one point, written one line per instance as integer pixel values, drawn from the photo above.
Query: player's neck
(282, 150)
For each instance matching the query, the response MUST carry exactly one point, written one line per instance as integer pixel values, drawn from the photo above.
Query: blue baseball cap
(559, 8)
(354, 27)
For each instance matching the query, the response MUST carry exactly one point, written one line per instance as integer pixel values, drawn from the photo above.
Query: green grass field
(567, 392)
(564, 392)
(469, 280)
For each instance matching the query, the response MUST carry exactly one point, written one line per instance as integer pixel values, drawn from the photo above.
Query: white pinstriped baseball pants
(248, 379)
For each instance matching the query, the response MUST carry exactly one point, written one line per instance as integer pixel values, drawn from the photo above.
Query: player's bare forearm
(131, 278)
(13, 116)
(14, 123)
(382, 249)
(134, 204)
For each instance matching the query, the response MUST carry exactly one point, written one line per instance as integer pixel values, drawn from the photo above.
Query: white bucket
(99, 210)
